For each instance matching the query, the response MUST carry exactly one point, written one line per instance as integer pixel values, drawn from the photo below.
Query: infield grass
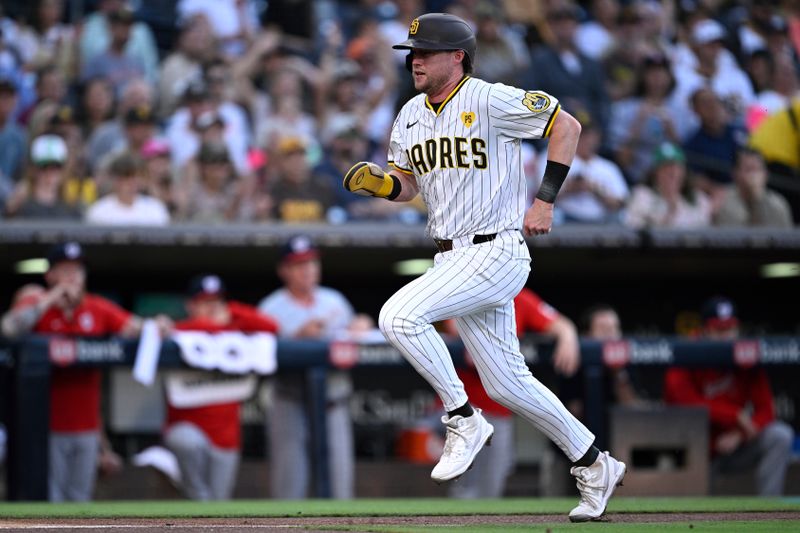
(436, 506)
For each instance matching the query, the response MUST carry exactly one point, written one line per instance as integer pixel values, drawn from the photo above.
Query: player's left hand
(538, 218)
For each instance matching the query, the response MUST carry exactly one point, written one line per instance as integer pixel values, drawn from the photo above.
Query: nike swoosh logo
(410, 124)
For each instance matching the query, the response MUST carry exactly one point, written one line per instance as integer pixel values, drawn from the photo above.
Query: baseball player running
(458, 145)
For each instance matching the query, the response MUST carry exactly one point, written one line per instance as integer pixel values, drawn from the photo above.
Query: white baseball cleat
(465, 438)
(596, 483)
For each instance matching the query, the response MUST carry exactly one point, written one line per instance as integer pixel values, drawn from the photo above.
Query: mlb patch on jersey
(536, 102)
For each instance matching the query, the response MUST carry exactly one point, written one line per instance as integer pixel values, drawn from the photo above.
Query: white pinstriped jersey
(466, 158)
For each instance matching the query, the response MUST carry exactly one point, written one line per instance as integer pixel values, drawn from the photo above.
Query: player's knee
(779, 435)
(393, 320)
(501, 396)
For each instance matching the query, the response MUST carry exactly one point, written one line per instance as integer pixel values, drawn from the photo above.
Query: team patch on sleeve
(536, 102)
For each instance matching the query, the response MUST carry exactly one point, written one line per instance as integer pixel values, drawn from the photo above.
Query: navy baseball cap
(299, 248)
(207, 286)
(66, 251)
(719, 313)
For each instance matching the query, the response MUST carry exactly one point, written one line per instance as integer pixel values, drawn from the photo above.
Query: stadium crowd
(250, 111)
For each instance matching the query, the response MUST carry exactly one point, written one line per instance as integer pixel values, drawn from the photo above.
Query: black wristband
(554, 175)
(396, 188)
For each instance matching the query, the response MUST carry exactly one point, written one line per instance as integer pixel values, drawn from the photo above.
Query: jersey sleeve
(522, 114)
(398, 157)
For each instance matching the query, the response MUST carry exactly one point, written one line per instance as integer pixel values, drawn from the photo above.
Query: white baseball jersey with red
(466, 158)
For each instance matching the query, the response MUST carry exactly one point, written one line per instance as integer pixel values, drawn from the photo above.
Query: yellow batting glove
(368, 179)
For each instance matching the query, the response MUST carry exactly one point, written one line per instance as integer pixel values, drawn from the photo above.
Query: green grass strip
(382, 507)
(728, 526)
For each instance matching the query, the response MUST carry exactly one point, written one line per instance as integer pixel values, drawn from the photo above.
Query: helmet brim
(422, 44)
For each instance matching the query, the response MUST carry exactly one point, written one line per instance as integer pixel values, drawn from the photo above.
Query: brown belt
(446, 245)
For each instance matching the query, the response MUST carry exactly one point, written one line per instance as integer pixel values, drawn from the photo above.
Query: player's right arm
(368, 179)
(398, 184)
(30, 302)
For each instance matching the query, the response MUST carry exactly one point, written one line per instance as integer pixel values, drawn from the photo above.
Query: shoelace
(450, 441)
(583, 481)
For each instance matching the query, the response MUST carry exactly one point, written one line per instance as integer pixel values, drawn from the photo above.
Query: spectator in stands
(97, 36)
(127, 206)
(217, 76)
(215, 193)
(744, 430)
(252, 75)
(66, 309)
(777, 138)
(48, 41)
(299, 194)
(748, 202)
(784, 85)
(233, 22)
(41, 196)
(195, 46)
(306, 310)
(51, 89)
(110, 135)
(139, 126)
(488, 475)
(639, 124)
(499, 58)
(96, 105)
(669, 200)
(185, 137)
(711, 149)
(597, 38)
(595, 189)
(206, 435)
(560, 68)
(79, 189)
(158, 177)
(12, 139)
(115, 64)
(706, 66)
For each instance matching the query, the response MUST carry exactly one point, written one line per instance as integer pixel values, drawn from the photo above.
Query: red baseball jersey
(75, 392)
(220, 422)
(725, 393)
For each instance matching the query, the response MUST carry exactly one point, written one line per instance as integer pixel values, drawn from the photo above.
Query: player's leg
(222, 469)
(775, 443)
(490, 336)
(341, 452)
(83, 466)
(288, 435)
(462, 281)
(58, 469)
(769, 454)
(190, 447)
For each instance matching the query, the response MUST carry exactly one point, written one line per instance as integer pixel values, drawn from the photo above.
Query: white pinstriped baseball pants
(476, 284)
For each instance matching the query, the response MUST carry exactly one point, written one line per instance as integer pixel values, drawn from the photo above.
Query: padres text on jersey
(466, 158)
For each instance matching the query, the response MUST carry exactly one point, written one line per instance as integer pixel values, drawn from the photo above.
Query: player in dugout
(77, 443)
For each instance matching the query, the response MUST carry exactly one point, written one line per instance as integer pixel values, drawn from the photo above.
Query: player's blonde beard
(435, 84)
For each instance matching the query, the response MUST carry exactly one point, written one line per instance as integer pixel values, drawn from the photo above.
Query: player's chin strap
(554, 175)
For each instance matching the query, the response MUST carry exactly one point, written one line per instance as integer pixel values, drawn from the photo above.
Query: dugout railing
(26, 367)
